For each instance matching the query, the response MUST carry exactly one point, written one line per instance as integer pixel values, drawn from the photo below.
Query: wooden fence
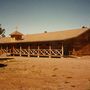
(34, 52)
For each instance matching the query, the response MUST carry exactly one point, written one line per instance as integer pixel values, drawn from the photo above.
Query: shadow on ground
(3, 65)
(1, 58)
(4, 59)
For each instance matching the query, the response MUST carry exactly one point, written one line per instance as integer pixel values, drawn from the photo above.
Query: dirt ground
(22, 73)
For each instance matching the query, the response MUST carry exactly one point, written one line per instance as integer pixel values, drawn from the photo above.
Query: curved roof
(49, 36)
(53, 36)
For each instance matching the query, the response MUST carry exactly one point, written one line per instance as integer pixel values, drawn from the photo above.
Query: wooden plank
(38, 50)
(1, 49)
(44, 52)
(56, 52)
(28, 50)
(13, 50)
(16, 51)
(49, 50)
(20, 50)
(34, 52)
(7, 49)
(62, 50)
(24, 51)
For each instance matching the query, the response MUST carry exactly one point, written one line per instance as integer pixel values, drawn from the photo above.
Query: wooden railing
(3, 51)
(16, 51)
(44, 52)
(56, 52)
(34, 52)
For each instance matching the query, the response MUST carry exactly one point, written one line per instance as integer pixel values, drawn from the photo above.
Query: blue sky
(37, 16)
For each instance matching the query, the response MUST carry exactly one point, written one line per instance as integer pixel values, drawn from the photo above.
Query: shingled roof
(50, 36)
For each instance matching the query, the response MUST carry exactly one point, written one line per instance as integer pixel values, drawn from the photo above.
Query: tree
(2, 31)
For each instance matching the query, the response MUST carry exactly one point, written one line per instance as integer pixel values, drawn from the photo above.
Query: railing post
(38, 50)
(1, 50)
(7, 49)
(13, 50)
(20, 50)
(62, 47)
(28, 50)
(49, 50)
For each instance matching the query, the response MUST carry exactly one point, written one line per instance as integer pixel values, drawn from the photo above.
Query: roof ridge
(60, 31)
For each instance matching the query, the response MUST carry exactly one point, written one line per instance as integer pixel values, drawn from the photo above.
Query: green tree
(2, 31)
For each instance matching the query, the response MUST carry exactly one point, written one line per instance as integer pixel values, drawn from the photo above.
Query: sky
(37, 16)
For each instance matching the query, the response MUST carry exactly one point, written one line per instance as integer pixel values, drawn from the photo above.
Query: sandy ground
(21, 73)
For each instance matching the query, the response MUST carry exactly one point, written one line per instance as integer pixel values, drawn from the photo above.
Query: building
(48, 44)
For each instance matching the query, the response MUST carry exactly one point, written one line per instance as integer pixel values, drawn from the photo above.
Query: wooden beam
(28, 50)
(13, 50)
(7, 49)
(62, 47)
(38, 50)
(1, 49)
(49, 50)
(73, 52)
(20, 50)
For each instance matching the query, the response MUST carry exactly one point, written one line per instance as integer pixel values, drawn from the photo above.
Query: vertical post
(49, 50)
(28, 50)
(1, 49)
(62, 50)
(20, 50)
(38, 50)
(13, 50)
(7, 50)
(73, 52)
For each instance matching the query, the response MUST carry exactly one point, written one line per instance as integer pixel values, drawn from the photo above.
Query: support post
(62, 50)
(38, 50)
(13, 50)
(49, 50)
(20, 50)
(28, 50)
(7, 50)
(73, 52)
(1, 49)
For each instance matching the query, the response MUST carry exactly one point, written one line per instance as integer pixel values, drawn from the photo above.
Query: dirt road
(21, 73)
